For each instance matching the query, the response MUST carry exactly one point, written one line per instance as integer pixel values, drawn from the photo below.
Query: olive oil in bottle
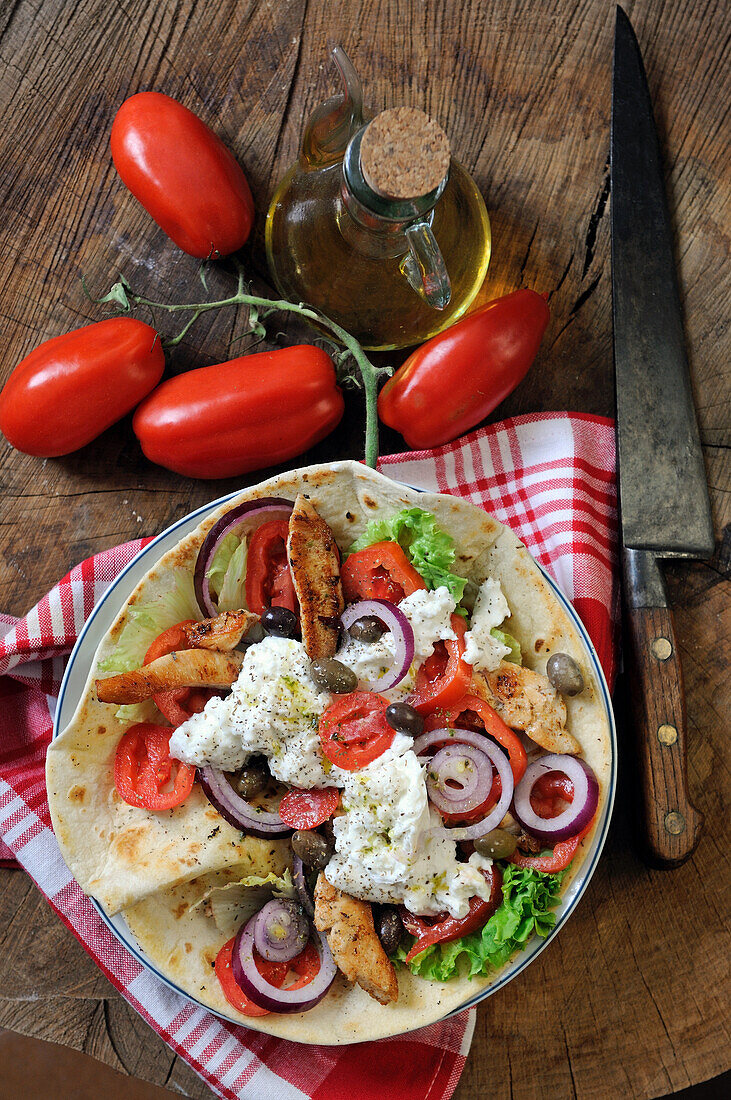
(376, 224)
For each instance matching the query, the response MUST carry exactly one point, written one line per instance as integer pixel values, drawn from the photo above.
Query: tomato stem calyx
(124, 298)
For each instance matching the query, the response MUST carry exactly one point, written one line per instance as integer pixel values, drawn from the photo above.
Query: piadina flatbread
(156, 867)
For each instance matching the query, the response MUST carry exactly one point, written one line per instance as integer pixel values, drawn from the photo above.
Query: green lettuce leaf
(528, 898)
(236, 902)
(226, 573)
(232, 596)
(429, 549)
(512, 643)
(144, 623)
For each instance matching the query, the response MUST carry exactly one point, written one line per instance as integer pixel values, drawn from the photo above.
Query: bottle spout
(352, 89)
(334, 122)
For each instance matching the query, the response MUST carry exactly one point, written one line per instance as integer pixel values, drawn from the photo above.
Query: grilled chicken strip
(527, 701)
(223, 633)
(314, 562)
(186, 668)
(354, 941)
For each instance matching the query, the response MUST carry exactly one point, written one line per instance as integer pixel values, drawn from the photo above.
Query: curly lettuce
(236, 902)
(515, 655)
(145, 622)
(227, 572)
(528, 898)
(429, 549)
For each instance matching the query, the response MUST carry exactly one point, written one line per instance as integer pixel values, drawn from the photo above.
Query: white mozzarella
(491, 609)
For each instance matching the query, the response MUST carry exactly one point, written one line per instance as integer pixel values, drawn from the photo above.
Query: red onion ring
(500, 763)
(466, 765)
(574, 817)
(281, 930)
(399, 626)
(300, 884)
(236, 809)
(245, 517)
(266, 995)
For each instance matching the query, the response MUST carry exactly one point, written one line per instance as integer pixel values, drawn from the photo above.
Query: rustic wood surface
(630, 999)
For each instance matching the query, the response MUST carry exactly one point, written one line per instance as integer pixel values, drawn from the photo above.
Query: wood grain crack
(524, 261)
(293, 83)
(595, 219)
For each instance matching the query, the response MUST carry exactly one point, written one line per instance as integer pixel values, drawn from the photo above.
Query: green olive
(332, 675)
(313, 849)
(565, 674)
(498, 844)
(367, 629)
(251, 779)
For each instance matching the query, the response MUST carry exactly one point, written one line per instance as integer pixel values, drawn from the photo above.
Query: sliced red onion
(281, 930)
(574, 817)
(500, 762)
(468, 767)
(266, 995)
(399, 626)
(237, 811)
(300, 884)
(239, 520)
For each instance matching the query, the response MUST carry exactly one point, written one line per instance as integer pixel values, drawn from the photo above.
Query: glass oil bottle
(346, 234)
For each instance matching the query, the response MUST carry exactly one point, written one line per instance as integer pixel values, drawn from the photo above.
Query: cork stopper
(404, 154)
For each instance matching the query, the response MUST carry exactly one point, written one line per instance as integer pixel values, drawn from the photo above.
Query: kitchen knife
(664, 506)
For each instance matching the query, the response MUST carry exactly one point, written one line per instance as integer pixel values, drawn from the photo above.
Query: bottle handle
(424, 267)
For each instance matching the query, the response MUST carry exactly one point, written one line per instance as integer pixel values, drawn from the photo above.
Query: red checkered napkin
(550, 478)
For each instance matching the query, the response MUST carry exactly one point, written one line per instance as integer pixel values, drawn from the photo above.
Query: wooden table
(629, 1000)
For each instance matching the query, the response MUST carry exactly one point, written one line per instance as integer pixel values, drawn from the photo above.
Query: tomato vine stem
(122, 295)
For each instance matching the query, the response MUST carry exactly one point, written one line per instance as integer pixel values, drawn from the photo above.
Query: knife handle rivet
(667, 735)
(662, 648)
(675, 823)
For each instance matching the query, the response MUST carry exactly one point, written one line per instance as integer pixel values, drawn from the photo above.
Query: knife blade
(664, 504)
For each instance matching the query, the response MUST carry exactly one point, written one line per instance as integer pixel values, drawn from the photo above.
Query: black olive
(280, 621)
(565, 674)
(256, 633)
(390, 928)
(404, 719)
(367, 629)
(252, 778)
(333, 676)
(498, 844)
(313, 849)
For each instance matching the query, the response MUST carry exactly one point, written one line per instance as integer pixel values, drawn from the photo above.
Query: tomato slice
(379, 572)
(444, 677)
(272, 972)
(308, 809)
(306, 966)
(145, 774)
(177, 705)
(453, 928)
(268, 579)
(551, 792)
(559, 859)
(354, 731)
(473, 713)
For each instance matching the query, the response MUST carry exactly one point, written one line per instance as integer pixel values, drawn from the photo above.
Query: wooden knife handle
(673, 824)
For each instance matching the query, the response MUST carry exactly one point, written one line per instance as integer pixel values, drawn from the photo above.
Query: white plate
(101, 619)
